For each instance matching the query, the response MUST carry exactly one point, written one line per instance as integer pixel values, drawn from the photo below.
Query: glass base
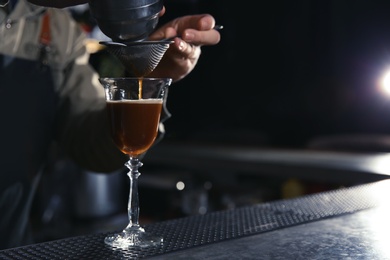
(135, 238)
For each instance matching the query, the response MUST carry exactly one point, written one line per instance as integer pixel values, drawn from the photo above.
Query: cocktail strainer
(126, 20)
(138, 58)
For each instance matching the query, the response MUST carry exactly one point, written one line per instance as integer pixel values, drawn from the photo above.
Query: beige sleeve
(81, 125)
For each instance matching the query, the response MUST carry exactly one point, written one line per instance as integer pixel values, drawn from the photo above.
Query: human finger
(209, 37)
(186, 50)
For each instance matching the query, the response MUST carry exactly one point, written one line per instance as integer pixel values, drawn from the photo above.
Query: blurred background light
(385, 82)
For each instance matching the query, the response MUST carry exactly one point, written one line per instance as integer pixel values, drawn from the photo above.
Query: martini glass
(134, 108)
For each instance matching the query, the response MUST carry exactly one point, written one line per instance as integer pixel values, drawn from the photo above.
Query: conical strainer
(139, 58)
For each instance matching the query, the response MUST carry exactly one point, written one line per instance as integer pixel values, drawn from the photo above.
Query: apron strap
(45, 40)
(45, 37)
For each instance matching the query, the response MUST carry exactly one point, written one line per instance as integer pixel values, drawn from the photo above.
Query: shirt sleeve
(81, 125)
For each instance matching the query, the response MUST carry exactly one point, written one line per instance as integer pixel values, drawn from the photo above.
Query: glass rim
(137, 78)
(167, 79)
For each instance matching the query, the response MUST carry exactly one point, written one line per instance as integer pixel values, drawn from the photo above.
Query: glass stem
(133, 204)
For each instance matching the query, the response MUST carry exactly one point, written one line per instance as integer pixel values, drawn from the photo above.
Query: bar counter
(347, 223)
(315, 165)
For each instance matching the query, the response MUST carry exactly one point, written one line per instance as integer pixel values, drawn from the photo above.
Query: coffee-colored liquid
(134, 124)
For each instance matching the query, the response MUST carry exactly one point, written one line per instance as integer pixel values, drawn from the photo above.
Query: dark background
(284, 73)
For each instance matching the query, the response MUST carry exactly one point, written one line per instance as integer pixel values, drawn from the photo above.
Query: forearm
(82, 127)
(86, 140)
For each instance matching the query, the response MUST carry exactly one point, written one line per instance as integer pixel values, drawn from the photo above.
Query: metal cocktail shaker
(126, 20)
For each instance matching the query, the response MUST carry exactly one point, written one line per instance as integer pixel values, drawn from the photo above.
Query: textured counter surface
(350, 223)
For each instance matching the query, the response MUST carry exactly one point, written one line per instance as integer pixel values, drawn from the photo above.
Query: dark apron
(27, 110)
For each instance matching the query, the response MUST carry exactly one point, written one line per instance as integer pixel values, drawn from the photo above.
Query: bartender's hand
(182, 56)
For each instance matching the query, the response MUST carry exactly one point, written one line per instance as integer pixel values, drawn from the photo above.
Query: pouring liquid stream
(140, 88)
